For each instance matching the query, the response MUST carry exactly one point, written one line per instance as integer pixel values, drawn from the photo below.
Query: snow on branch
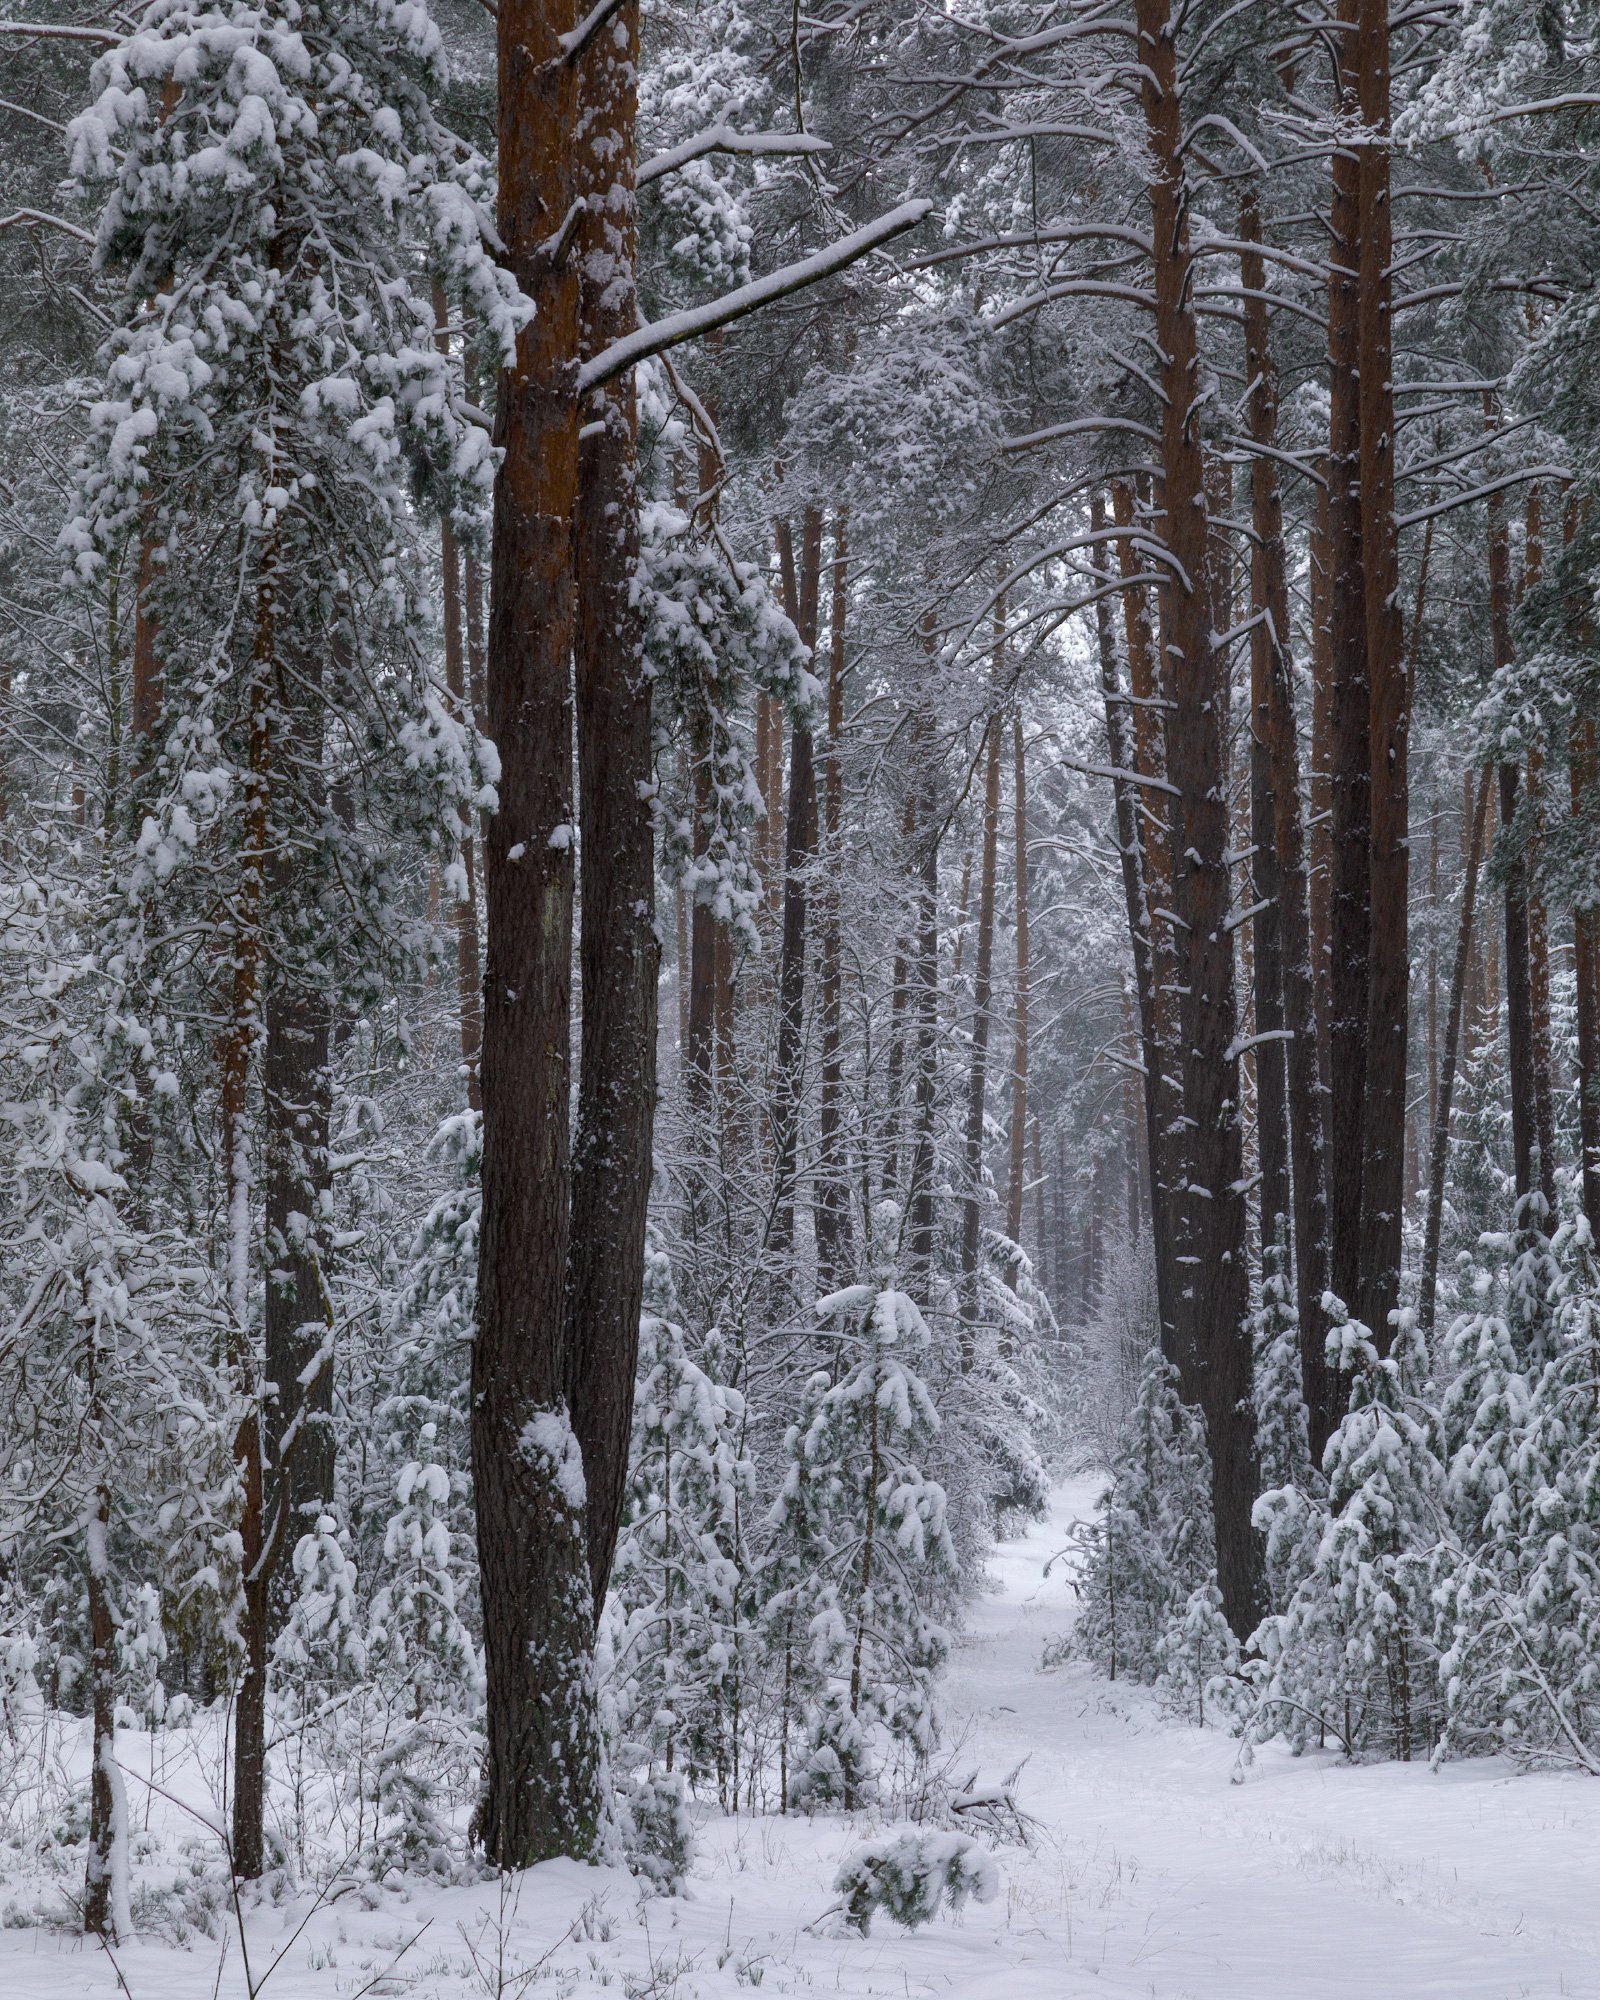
(678, 327)
(723, 139)
(36, 218)
(574, 44)
(107, 38)
(1518, 478)
(1079, 426)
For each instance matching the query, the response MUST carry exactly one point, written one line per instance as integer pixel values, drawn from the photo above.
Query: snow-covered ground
(1151, 1874)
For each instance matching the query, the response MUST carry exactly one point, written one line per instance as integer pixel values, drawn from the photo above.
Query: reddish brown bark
(1146, 805)
(1349, 723)
(1282, 828)
(1209, 1207)
(1321, 829)
(1388, 710)
(542, 1793)
(618, 947)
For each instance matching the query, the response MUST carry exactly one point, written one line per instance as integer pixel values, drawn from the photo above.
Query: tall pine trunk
(619, 949)
(1213, 1294)
(297, 1173)
(1349, 760)
(1134, 816)
(469, 984)
(1283, 827)
(542, 1790)
(1147, 801)
(1514, 902)
(1383, 1152)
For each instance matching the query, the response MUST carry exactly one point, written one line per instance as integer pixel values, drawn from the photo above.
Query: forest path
(1154, 1874)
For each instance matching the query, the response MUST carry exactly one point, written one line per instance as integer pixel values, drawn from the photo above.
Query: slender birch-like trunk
(978, 1065)
(832, 1195)
(469, 982)
(1439, 1146)
(800, 847)
(1514, 904)
(1019, 1033)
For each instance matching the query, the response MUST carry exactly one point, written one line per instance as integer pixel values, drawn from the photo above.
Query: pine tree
(860, 1532)
(675, 1636)
(1352, 1655)
(1149, 1549)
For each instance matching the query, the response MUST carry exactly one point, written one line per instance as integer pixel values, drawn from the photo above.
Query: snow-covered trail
(1152, 1875)
(1155, 1875)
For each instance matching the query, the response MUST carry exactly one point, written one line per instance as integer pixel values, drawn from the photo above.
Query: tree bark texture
(1349, 760)
(542, 1794)
(469, 982)
(258, 1547)
(1519, 1002)
(99, 1913)
(1383, 1160)
(297, 1111)
(1210, 1219)
(619, 951)
(1283, 828)
(1439, 1142)
(1320, 871)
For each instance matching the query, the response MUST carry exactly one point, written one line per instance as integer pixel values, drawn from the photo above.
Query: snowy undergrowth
(1149, 1873)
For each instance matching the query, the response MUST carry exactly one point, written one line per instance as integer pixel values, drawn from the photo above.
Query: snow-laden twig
(679, 327)
(724, 139)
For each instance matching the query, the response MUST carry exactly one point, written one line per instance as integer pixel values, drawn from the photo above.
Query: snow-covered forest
(799, 998)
